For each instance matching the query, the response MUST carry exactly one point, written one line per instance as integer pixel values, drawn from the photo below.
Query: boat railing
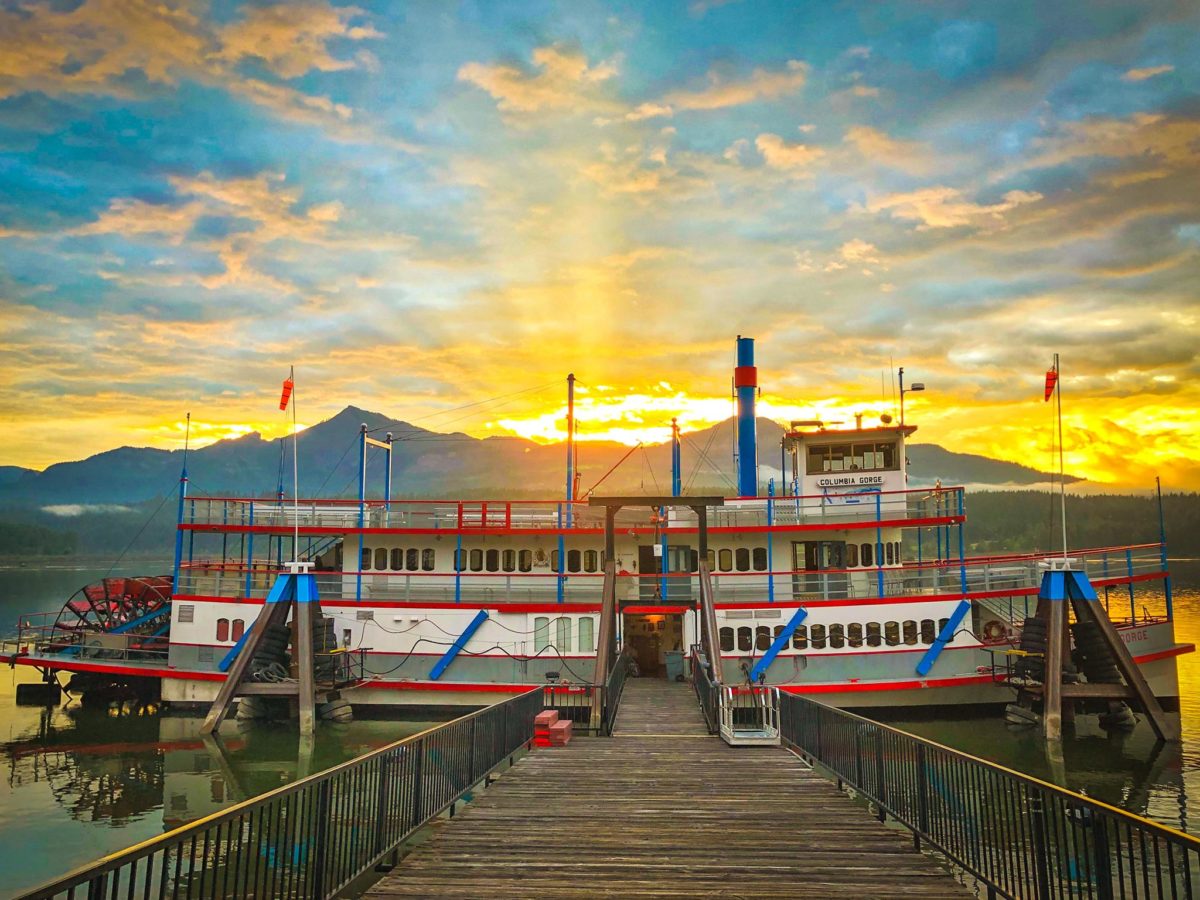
(591, 708)
(833, 507)
(39, 635)
(1016, 835)
(315, 836)
(707, 688)
(1000, 580)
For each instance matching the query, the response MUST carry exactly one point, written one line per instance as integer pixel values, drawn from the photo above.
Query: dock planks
(663, 809)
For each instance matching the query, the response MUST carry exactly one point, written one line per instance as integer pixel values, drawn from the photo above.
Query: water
(82, 782)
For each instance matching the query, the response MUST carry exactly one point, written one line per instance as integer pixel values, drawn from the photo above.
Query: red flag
(1051, 381)
(287, 393)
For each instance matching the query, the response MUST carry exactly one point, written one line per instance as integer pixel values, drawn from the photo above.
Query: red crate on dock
(560, 733)
(542, 725)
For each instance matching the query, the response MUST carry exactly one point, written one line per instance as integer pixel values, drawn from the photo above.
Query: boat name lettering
(1132, 636)
(850, 481)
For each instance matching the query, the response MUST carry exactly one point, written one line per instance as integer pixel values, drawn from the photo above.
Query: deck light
(916, 386)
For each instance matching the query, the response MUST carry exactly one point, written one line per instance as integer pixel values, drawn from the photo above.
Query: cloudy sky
(428, 205)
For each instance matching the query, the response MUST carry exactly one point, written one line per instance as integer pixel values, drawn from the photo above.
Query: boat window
(851, 555)
(778, 632)
(837, 636)
(745, 638)
(554, 561)
(589, 560)
(891, 633)
(541, 633)
(365, 562)
(222, 629)
(381, 558)
(742, 555)
(476, 560)
(942, 623)
(427, 558)
(574, 563)
(854, 634)
(899, 557)
(460, 560)
(928, 631)
(510, 560)
(694, 560)
(816, 637)
(868, 554)
(762, 638)
(760, 559)
(587, 640)
(726, 639)
(725, 558)
(239, 629)
(397, 559)
(412, 559)
(873, 635)
(562, 639)
(863, 456)
(910, 632)
(493, 560)
(712, 560)
(525, 560)
(891, 553)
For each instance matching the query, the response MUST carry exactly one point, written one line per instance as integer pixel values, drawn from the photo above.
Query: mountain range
(428, 463)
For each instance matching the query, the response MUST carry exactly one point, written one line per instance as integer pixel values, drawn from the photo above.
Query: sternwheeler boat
(841, 581)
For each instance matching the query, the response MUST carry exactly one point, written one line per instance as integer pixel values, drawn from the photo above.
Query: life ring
(994, 630)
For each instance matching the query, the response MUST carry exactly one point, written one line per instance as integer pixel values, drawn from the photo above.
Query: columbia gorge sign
(844, 481)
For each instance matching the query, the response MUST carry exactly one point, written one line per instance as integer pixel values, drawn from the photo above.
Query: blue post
(745, 382)
(770, 541)
(778, 644)
(1162, 549)
(665, 567)
(387, 483)
(459, 563)
(676, 462)
(461, 641)
(1129, 572)
(250, 550)
(562, 558)
(944, 637)
(879, 541)
(962, 553)
(183, 480)
(362, 504)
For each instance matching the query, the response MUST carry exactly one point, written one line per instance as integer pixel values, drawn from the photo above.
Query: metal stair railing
(749, 716)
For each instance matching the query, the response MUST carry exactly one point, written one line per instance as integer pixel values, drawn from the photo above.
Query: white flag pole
(295, 473)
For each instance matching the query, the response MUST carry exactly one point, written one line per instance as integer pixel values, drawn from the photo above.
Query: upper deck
(833, 508)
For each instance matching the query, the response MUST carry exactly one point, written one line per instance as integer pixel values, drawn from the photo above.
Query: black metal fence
(1020, 837)
(708, 692)
(591, 708)
(312, 838)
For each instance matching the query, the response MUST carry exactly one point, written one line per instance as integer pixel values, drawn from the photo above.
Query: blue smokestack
(745, 381)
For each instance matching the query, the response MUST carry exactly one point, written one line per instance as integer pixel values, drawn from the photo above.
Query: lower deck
(663, 809)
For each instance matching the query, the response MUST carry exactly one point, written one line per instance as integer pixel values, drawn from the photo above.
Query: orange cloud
(564, 80)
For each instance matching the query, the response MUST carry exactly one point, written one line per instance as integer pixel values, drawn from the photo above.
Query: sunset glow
(436, 215)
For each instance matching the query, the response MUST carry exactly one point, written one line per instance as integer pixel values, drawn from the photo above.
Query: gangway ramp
(664, 809)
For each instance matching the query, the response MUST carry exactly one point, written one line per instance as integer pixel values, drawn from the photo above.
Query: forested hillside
(1030, 520)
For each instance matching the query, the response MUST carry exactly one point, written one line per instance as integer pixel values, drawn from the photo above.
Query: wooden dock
(663, 809)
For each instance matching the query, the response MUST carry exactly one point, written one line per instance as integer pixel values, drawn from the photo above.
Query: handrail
(707, 691)
(1018, 835)
(313, 837)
